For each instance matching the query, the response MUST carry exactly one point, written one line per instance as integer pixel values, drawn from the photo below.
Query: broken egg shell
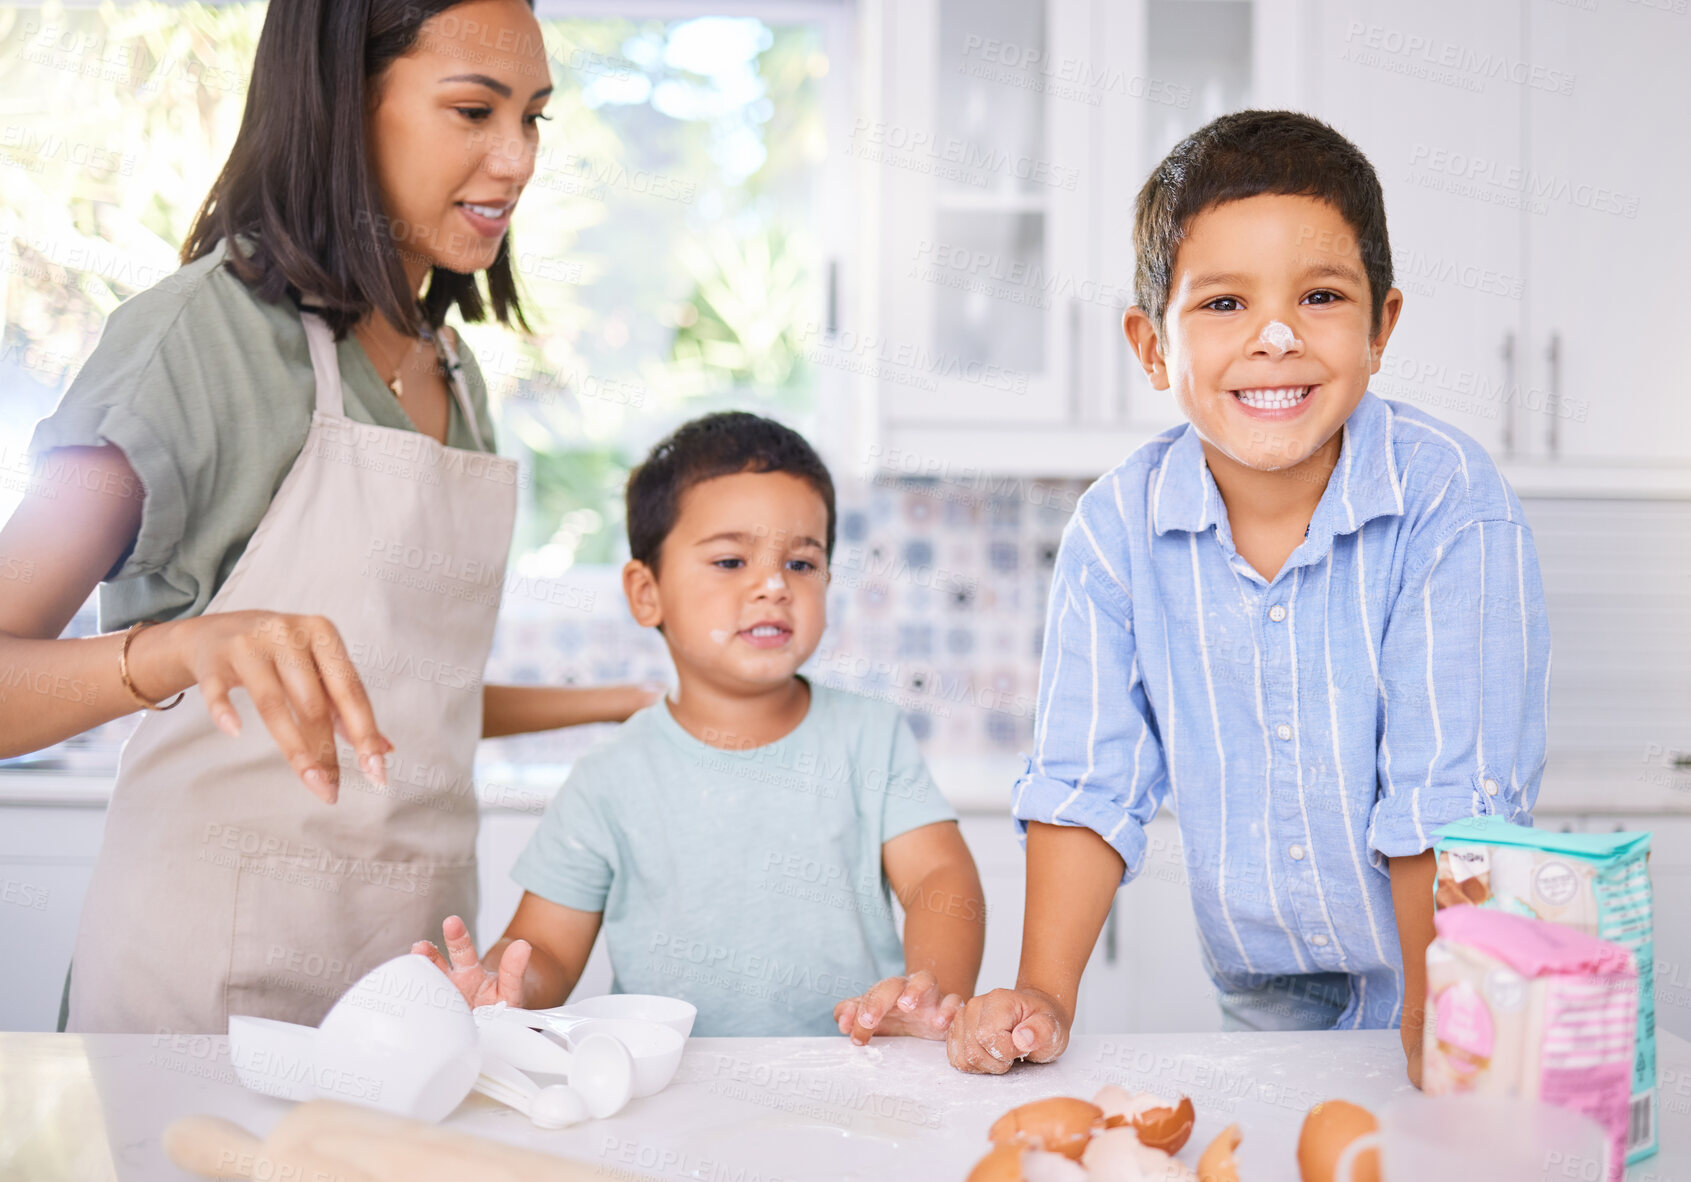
(1161, 1124)
(1002, 1164)
(1060, 1124)
(1166, 1128)
(1118, 1155)
(1216, 1163)
(1331, 1126)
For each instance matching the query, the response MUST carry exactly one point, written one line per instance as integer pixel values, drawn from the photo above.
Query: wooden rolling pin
(327, 1141)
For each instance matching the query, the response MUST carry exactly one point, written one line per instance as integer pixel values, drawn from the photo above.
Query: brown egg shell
(1216, 1163)
(1061, 1124)
(1331, 1126)
(1166, 1129)
(1002, 1164)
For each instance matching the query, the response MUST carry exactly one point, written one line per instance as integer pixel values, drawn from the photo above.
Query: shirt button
(1296, 852)
(1318, 940)
(1284, 731)
(1490, 787)
(1277, 613)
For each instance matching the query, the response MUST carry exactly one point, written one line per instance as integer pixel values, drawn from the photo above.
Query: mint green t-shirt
(209, 390)
(746, 882)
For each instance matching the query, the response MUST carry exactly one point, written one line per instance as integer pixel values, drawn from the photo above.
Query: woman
(281, 454)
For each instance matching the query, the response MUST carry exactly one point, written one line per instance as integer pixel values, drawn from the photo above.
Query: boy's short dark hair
(1246, 154)
(720, 444)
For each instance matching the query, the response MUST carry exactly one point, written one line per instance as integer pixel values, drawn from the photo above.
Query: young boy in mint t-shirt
(1309, 619)
(738, 840)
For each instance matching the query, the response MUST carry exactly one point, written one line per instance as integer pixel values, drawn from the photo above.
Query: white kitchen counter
(91, 1107)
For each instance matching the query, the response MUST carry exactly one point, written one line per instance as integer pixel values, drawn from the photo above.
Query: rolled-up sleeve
(1097, 758)
(145, 399)
(1464, 687)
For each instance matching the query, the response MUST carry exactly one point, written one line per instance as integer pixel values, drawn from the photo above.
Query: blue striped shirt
(1393, 676)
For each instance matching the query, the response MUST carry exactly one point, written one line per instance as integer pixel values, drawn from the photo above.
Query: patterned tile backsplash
(937, 604)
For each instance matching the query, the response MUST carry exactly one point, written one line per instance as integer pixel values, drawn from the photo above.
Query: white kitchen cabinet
(1607, 166)
(982, 176)
(46, 859)
(1010, 138)
(1530, 155)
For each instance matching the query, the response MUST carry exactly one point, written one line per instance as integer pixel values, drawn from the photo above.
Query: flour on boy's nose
(774, 583)
(1279, 337)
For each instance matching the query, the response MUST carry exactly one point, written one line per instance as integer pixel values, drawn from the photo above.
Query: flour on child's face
(1279, 337)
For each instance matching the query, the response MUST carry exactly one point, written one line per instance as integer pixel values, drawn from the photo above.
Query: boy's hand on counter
(910, 1005)
(995, 1029)
(480, 986)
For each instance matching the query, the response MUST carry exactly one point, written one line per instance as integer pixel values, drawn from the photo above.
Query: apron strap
(445, 339)
(323, 362)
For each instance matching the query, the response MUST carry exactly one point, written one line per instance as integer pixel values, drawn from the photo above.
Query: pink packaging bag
(1521, 1007)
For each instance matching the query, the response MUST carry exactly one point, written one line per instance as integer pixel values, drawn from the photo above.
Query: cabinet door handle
(833, 297)
(1076, 403)
(1554, 403)
(1511, 396)
(1124, 374)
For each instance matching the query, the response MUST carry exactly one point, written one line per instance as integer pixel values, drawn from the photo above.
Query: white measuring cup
(1469, 1138)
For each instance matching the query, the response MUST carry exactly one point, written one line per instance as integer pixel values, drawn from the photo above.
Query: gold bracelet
(123, 668)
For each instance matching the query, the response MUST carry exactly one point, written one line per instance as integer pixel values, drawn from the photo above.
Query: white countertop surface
(91, 1107)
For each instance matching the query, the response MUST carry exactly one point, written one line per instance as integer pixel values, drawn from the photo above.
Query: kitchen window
(678, 244)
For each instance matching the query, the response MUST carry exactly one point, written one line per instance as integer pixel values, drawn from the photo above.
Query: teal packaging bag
(1598, 883)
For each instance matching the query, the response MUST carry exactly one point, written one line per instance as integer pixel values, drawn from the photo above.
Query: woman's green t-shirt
(209, 392)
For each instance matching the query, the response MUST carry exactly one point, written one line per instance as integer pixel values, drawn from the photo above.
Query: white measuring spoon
(555, 1106)
(599, 1067)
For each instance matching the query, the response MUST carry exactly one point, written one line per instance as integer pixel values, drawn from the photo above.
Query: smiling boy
(1308, 618)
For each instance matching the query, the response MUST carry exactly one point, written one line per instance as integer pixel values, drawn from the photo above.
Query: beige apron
(223, 886)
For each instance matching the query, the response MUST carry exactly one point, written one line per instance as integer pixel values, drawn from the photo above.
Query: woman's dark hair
(715, 445)
(298, 183)
(1243, 155)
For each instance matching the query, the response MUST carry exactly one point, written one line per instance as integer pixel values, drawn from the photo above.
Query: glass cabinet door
(985, 183)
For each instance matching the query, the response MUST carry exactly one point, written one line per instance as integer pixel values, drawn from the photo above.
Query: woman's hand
(480, 986)
(899, 1005)
(299, 677)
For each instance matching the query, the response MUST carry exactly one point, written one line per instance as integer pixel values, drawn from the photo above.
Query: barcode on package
(1641, 1122)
